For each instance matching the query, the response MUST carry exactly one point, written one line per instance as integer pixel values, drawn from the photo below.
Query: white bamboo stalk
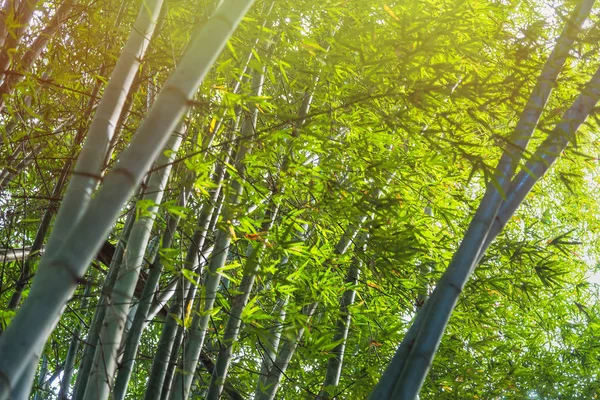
(88, 167)
(87, 172)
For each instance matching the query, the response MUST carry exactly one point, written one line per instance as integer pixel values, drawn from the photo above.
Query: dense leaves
(411, 106)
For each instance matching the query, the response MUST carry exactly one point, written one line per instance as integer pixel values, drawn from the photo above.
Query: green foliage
(413, 102)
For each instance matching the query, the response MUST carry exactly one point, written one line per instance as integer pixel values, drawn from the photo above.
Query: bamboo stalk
(334, 363)
(105, 359)
(250, 271)
(270, 384)
(165, 343)
(145, 303)
(162, 369)
(69, 367)
(193, 348)
(85, 365)
(405, 376)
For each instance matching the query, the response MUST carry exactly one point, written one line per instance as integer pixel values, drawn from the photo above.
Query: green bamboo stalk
(91, 158)
(69, 366)
(22, 390)
(85, 365)
(126, 328)
(175, 345)
(41, 378)
(145, 303)
(405, 375)
(238, 304)
(270, 384)
(250, 271)
(183, 380)
(334, 363)
(189, 301)
(171, 336)
(523, 183)
(123, 117)
(206, 362)
(165, 343)
(162, 370)
(270, 348)
(161, 299)
(144, 311)
(170, 370)
(193, 348)
(105, 358)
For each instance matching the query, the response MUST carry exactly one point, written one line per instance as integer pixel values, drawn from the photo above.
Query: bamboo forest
(299, 199)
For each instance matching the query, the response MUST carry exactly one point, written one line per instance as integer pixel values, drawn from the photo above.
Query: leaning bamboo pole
(145, 304)
(269, 384)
